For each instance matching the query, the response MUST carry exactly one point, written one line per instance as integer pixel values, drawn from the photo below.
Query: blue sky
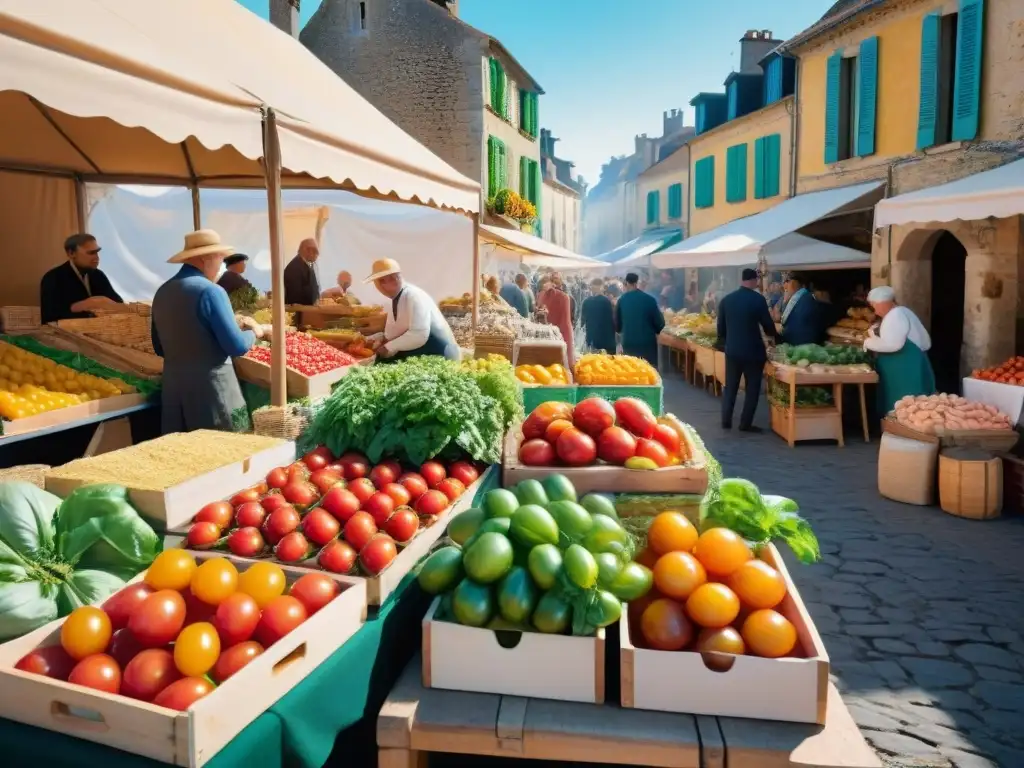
(609, 68)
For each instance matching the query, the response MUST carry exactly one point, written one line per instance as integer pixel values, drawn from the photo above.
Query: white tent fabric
(790, 252)
(139, 228)
(745, 238)
(532, 250)
(998, 192)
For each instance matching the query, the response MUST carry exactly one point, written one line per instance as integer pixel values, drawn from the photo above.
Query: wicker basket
(485, 344)
(129, 330)
(19, 319)
(135, 308)
(286, 422)
(27, 473)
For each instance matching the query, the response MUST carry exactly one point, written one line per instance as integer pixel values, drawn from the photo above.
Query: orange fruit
(671, 532)
(677, 574)
(768, 633)
(664, 626)
(721, 640)
(713, 605)
(757, 584)
(721, 551)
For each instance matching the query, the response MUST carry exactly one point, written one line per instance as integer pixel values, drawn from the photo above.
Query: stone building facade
(563, 195)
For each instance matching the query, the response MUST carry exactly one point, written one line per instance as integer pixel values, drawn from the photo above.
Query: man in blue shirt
(639, 320)
(196, 333)
(515, 297)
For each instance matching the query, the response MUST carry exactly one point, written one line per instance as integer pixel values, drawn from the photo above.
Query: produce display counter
(823, 423)
(680, 351)
(416, 721)
(299, 385)
(95, 412)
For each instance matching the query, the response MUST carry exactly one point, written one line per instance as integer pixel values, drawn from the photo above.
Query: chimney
(284, 14)
(755, 45)
(672, 122)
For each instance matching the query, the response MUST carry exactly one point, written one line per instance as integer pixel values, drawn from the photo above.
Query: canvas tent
(532, 250)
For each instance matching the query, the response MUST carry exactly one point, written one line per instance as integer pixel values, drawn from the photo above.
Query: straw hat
(383, 268)
(202, 242)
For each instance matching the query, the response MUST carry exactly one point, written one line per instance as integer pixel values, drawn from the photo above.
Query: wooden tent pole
(476, 269)
(197, 219)
(272, 168)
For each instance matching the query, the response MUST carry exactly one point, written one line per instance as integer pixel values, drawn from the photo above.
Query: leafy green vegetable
(806, 396)
(829, 354)
(244, 299)
(97, 527)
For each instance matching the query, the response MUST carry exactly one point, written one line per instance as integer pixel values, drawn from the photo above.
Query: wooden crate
(970, 483)
(789, 689)
(190, 738)
(653, 394)
(178, 504)
(512, 663)
(540, 352)
(70, 414)
(690, 477)
(19, 319)
(821, 423)
(997, 440)
(298, 385)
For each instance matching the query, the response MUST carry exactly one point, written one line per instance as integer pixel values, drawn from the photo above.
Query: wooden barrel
(970, 483)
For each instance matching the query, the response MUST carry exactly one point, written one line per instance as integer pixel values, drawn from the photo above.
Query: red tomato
(356, 465)
(451, 488)
(292, 548)
(98, 671)
(298, 472)
(277, 477)
(280, 616)
(414, 483)
(325, 479)
(196, 609)
(251, 514)
(385, 473)
(280, 523)
(246, 542)
(593, 415)
(236, 619)
(159, 619)
(202, 535)
(319, 526)
(380, 506)
(576, 448)
(337, 557)
(537, 422)
(653, 450)
(120, 605)
(243, 497)
(363, 489)
(402, 525)
(51, 661)
(341, 503)
(321, 450)
(352, 457)
(537, 453)
(398, 493)
(124, 647)
(315, 461)
(378, 554)
(182, 694)
(217, 512)
(433, 472)
(233, 659)
(636, 416)
(432, 503)
(314, 591)
(615, 445)
(464, 472)
(274, 501)
(149, 673)
(359, 529)
(302, 494)
(669, 438)
(555, 429)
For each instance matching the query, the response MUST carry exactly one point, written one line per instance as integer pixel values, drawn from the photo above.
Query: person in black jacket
(77, 286)
(742, 315)
(802, 317)
(301, 285)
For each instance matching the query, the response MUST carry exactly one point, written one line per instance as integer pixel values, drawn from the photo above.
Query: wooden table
(680, 348)
(795, 377)
(416, 721)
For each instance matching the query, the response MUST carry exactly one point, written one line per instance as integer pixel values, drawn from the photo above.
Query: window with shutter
(734, 100)
(833, 86)
(736, 174)
(675, 201)
(867, 97)
(652, 207)
(500, 165)
(524, 177)
(928, 104)
(760, 157)
(492, 167)
(773, 164)
(967, 92)
(704, 182)
(773, 81)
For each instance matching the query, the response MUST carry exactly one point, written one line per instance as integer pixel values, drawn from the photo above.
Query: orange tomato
(768, 633)
(713, 605)
(671, 532)
(721, 640)
(721, 551)
(677, 574)
(556, 428)
(85, 632)
(665, 627)
(757, 584)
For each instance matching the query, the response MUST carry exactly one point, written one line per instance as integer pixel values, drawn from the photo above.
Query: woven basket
(19, 319)
(129, 330)
(135, 308)
(286, 422)
(28, 473)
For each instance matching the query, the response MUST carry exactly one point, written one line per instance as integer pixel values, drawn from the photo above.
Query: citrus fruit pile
(542, 374)
(710, 594)
(619, 370)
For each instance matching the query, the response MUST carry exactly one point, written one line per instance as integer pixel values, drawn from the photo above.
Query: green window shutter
(760, 167)
(970, 36)
(928, 104)
(499, 88)
(537, 190)
(773, 164)
(675, 201)
(500, 166)
(833, 85)
(492, 167)
(534, 115)
(524, 109)
(867, 64)
(653, 206)
(492, 82)
(704, 193)
(524, 177)
(736, 174)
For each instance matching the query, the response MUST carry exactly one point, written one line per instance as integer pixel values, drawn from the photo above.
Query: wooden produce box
(178, 504)
(191, 738)
(788, 689)
(299, 385)
(720, 371)
(540, 352)
(530, 664)
(653, 395)
(817, 423)
(70, 414)
(997, 440)
(689, 477)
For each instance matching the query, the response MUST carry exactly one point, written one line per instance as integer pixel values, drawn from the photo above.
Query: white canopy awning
(790, 252)
(744, 239)
(533, 250)
(998, 192)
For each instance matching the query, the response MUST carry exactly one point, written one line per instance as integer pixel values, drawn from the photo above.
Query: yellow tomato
(262, 582)
(85, 631)
(196, 649)
(172, 569)
(214, 581)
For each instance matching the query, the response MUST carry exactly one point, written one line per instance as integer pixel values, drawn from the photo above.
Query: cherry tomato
(196, 649)
(120, 605)
(263, 582)
(248, 495)
(315, 461)
(217, 512)
(124, 647)
(214, 580)
(398, 493)
(85, 632)
(378, 553)
(202, 535)
(149, 673)
(314, 591)
(432, 503)
(246, 542)
(464, 472)
(433, 472)
(362, 488)
(451, 488)
(172, 569)
(402, 525)
(196, 609)
(273, 501)
(337, 557)
(359, 530)
(236, 619)
(233, 659)
(182, 694)
(319, 526)
(277, 477)
(280, 616)
(380, 506)
(341, 503)
(98, 671)
(325, 479)
(251, 514)
(159, 619)
(51, 661)
(292, 548)
(414, 484)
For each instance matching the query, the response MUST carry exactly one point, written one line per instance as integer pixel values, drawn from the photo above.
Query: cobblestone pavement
(922, 613)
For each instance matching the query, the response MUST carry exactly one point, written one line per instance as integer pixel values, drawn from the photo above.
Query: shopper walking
(598, 319)
(639, 320)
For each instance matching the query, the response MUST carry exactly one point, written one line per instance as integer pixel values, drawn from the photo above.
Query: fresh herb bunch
(244, 299)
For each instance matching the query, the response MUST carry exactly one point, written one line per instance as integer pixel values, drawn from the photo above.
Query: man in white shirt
(415, 325)
(900, 346)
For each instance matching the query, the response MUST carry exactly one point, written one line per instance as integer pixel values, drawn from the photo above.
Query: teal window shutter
(736, 174)
(675, 201)
(652, 207)
(833, 85)
(928, 105)
(867, 63)
(704, 192)
(773, 164)
(760, 166)
(970, 37)
(734, 100)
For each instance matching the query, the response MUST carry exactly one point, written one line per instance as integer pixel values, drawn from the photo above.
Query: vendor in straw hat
(197, 334)
(415, 325)
(900, 344)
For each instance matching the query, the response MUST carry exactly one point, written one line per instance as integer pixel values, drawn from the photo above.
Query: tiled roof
(840, 12)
